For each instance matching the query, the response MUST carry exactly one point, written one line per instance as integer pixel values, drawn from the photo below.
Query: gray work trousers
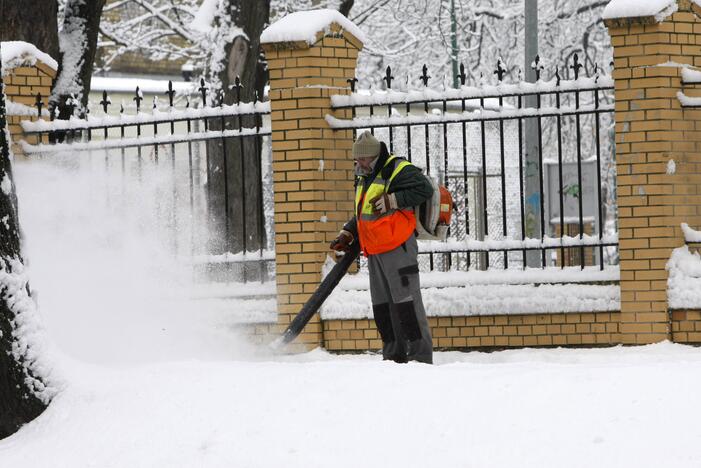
(397, 305)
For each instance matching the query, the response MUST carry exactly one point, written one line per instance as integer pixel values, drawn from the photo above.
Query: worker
(387, 189)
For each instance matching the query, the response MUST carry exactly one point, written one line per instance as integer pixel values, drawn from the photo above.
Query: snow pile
(671, 167)
(489, 299)
(690, 76)
(527, 408)
(688, 101)
(17, 53)
(660, 9)
(684, 282)
(304, 26)
(690, 235)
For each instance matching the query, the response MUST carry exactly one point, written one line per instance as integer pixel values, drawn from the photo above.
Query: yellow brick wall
(686, 326)
(22, 84)
(302, 79)
(488, 331)
(651, 129)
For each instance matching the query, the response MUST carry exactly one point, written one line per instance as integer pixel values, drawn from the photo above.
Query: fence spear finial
(537, 67)
(170, 92)
(203, 91)
(106, 101)
(138, 98)
(352, 82)
(462, 75)
(424, 75)
(500, 71)
(576, 66)
(237, 88)
(388, 77)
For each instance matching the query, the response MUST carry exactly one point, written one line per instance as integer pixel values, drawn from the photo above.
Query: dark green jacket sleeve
(352, 227)
(410, 187)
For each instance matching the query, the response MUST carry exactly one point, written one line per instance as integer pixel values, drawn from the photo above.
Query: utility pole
(454, 44)
(532, 137)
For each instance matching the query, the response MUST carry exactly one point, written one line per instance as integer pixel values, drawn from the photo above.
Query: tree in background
(24, 393)
(405, 34)
(78, 45)
(37, 25)
(67, 31)
(236, 72)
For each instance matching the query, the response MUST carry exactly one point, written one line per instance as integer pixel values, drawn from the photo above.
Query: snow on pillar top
(643, 11)
(305, 28)
(18, 54)
(639, 11)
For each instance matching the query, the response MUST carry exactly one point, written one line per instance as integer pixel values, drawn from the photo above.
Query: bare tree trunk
(19, 403)
(78, 46)
(34, 22)
(345, 7)
(239, 188)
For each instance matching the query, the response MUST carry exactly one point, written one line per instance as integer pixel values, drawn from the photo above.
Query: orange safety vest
(383, 232)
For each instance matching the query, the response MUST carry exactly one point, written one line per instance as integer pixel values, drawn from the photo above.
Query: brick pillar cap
(303, 29)
(17, 54)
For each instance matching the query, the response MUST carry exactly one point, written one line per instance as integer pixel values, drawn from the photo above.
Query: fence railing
(557, 201)
(210, 161)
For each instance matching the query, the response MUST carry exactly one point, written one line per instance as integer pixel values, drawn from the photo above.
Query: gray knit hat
(366, 146)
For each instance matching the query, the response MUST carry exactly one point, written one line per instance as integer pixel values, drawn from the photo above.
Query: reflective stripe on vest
(383, 232)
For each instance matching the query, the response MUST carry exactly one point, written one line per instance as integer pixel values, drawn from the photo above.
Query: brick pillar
(312, 164)
(652, 128)
(22, 84)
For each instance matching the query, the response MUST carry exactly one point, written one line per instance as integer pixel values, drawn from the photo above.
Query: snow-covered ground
(617, 407)
(148, 377)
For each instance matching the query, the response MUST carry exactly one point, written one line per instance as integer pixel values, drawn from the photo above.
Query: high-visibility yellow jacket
(382, 232)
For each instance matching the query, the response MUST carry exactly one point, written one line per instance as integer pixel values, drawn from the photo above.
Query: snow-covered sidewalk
(615, 407)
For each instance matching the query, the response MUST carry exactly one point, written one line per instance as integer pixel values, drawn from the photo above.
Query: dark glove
(342, 242)
(382, 203)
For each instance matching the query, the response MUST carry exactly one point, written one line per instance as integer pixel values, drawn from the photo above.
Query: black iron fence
(530, 165)
(207, 161)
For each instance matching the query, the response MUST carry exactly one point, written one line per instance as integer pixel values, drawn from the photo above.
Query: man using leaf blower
(387, 189)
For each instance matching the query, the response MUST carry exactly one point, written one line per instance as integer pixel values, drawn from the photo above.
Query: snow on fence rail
(139, 141)
(390, 96)
(157, 117)
(527, 164)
